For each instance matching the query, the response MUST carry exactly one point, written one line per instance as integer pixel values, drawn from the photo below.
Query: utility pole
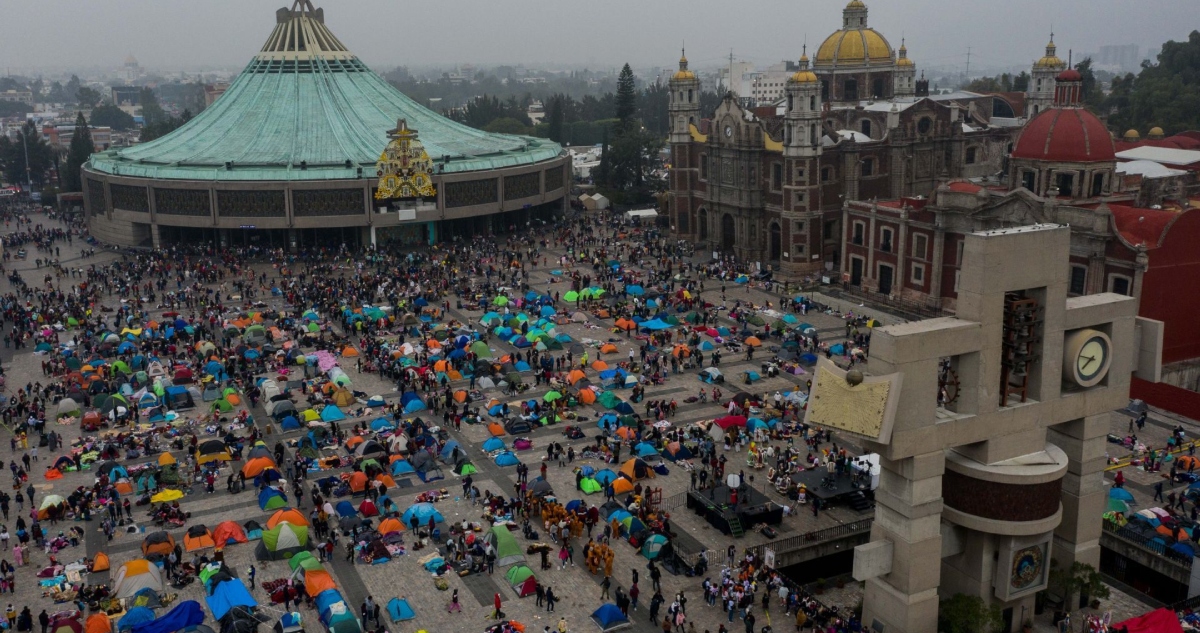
(25, 144)
(968, 63)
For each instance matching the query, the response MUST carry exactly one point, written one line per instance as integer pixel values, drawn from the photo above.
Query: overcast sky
(175, 34)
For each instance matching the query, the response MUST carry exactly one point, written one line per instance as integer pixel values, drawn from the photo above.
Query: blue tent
(587, 470)
(493, 444)
(635, 290)
(754, 424)
(408, 397)
(1121, 494)
(226, 596)
(496, 409)
(448, 449)
(401, 467)
(185, 614)
(522, 366)
(134, 617)
(574, 505)
(644, 449)
(655, 325)
(289, 423)
(507, 458)
(624, 408)
(399, 610)
(609, 617)
(547, 311)
(808, 358)
(605, 477)
(381, 424)
(265, 497)
(422, 511)
(345, 509)
(331, 413)
(706, 346)
(837, 349)
(414, 406)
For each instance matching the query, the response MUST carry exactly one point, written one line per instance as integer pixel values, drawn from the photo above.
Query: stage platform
(858, 497)
(716, 506)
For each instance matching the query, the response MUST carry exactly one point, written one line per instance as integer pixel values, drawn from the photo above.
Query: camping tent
(271, 499)
(287, 515)
(159, 543)
(228, 533)
(185, 614)
(609, 618)
(422, 512)
(282, 541)
(135, 575)
(507, 550)
(636, 469)
(197, 537)
(399, 610)
(654, 546)
(522, 580)
(228, 595)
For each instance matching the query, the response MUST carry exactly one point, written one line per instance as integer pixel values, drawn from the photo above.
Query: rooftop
(1164, 155)
(305, 108)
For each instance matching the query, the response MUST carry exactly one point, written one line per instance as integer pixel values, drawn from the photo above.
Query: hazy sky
(173, 34)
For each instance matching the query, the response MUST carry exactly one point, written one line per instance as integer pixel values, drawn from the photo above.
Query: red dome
(1068, 135)
(1070, 74)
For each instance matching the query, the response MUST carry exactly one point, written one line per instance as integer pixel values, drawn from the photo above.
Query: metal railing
(1149, 543)
(674, 501)
(1191, 604)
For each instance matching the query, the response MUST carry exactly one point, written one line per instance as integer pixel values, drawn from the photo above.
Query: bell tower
(684, 111)
(906, 74)
(1042, 81)
(802, 153)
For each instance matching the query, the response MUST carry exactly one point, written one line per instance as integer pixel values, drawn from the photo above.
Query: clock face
(1087, 355)
(1027, 567)
(728, 131)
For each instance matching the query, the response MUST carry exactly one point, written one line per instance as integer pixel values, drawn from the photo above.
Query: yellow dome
(854, 47)
(904, 61)
(1051, 59)
(804, 77)
(856, 4)
(1155, 133)
(1132, 135)
(684, 74)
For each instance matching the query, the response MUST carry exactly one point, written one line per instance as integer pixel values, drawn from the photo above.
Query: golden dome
(683, 73)
(904, 61)
(804, 75)
(1155, 133)
(854, 47)
(1131, 136)
(1050, 59)
(856, 4)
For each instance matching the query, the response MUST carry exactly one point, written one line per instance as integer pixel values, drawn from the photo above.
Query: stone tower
(906, 74)
(1042, 80)
(684, 110)
(801, 152)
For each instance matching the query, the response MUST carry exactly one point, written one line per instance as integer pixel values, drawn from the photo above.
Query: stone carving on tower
(404, 166)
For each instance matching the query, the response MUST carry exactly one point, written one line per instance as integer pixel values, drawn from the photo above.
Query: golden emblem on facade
(404, 166)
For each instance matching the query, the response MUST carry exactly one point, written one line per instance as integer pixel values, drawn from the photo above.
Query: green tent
(500, 300)
(551, 396)
(283, 541)
(480, 349)
(756, 320)
(571, 296)
(507, 550)
(72, 321)
(74, 363)
(222, 405)
(305, 560)
(255, 330)
(518, 574)
(590, 486)
(608, 400)
(467, 469)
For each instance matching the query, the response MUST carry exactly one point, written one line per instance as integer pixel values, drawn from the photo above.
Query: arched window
(791, 103)
(865, 124)
(812, 133)
(703, 224)
(689, 96)
(812, 102)
(776, 242)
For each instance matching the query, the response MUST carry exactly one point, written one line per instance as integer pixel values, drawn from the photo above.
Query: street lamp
(28, 172)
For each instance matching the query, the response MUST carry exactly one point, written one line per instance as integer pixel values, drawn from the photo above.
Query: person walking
(550, 599)
(604, 586)
(496, 613)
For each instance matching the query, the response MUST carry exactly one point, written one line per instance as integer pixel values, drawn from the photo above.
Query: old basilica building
(767, 182)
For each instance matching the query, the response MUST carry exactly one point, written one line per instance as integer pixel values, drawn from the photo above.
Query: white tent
(641, 213)
(595, 202)
(135, 576)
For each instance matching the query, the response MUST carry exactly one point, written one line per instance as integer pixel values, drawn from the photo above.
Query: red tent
(1158, 621)
(731, 420)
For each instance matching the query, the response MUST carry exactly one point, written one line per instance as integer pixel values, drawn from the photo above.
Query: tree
(555, 117)
(12, 156)
(111, 116)
(626, 97)
(73, 86)
(81, 150)
(505, 125)
(152, 112)
(968, 614)
(1164, 94)
(1021, 82)
(1092, 96)
(88, 97)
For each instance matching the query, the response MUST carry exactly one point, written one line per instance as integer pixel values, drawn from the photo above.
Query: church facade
(767, 183)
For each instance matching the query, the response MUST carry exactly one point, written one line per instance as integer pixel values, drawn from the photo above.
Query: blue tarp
(226, 596)
(185, 614)
(134, 617)
(399, 610)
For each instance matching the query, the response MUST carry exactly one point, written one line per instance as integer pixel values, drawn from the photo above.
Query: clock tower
(801, 215)
(684, 110)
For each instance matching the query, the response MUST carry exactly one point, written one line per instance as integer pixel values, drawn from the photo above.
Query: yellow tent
(310, 414)
(166, 459)
(166, 496)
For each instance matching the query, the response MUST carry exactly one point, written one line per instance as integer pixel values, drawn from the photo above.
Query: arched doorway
(703, 224)
(728, 233)
(776, 250)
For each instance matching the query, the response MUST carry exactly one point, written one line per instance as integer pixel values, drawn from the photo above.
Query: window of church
(850, 90)
(868, 167)
(776, 176)
(920, 246)
(885, 241)
(1097, 184)
(877, 89)
(866, 126)
(799, 199)
(799, 175)
(918, 274)
(924, 125)
(826, 174)
(1078, 282)
(1028, 179)
(859, 230)
(1120, 284)
(972, 155)
(704, 167)
(1065, 184)
(797, 227)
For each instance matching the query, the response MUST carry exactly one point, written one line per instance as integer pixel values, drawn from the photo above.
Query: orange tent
(602, 313)
(386, 480)
(626, 324)
(495, 428)
(433, 344)
(287, 515)
(166, 459)
(599, 365)
(608, 348)
(53, 473)
(454, 374)
(158, 543)
(101, 562)
(226, 532)
(349, 352)
(1166, 531)
(355, 441)
(358, 481)
(392, 459)
(197, 537)
(625, 432)
(587, 396)
(622, 485)
(389, 525)
(460, 396)
(98, 623)
(1186, 461)
(440, 365)
(753, 341)
(124, 487)
(681, 351)
(233, 399)
(575, 376)
(317, 581)
(91, 418)
(256, 466)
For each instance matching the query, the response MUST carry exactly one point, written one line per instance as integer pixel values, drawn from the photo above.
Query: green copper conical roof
(306, 100)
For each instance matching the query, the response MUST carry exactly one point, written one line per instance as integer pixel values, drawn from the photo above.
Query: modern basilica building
(292, 155)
